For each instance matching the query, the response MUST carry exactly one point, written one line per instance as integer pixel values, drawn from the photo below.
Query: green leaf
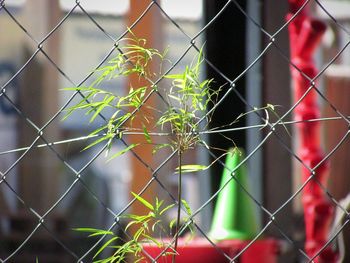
(187, 207)
(139, 233)
(106, 260)
(143, 201)
(94, 231)
(174, 97)
(147, 136)
(154, 240)
(95, 132)
(131, 146)
(107, 137)
(155, 224)
(158, 204)
(105, 245)
(161, 146)
(189, 168)
(102, 233)
(172, 223)
(130, 224)
(105, 104)
(166, 209)
(87, 229)
(174, 76)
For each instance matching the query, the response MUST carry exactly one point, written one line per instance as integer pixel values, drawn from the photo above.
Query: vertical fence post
(277, 163)
(337, 90)
(149, 28)
(39, 101)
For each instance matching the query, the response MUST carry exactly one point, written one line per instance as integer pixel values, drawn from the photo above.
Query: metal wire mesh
(47, 221)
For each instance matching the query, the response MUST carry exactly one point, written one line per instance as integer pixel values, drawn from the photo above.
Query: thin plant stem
(179, 197)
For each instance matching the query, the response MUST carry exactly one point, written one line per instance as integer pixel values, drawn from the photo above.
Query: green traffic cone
(234, 214)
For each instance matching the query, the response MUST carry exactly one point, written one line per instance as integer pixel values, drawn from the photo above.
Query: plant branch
(179, 197)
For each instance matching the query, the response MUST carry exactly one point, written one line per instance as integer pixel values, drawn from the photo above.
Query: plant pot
(199, 250)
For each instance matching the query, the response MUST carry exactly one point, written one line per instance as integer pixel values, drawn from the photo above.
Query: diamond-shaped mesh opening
(81, 26)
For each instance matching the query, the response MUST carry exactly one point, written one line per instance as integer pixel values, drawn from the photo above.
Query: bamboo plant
(187, 99)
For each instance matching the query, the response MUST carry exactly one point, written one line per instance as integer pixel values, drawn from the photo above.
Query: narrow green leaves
(105, 245)
(134, 59)
(188, 98)
(131, 146)
(143, 201)
(190, 168)
(93, 231)
(146, 226)
(147, 136)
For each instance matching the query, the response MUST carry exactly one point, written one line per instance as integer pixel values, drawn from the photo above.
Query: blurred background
(47, 46)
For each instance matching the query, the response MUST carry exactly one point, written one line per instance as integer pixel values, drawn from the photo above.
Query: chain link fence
(49, 187)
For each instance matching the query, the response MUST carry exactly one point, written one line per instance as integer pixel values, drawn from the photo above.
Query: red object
(199, 250)
(305, 34)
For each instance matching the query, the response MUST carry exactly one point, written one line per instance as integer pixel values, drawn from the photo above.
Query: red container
(199, 250)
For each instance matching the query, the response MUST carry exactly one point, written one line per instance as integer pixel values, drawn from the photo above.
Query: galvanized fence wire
(229, 89)
(53, 206)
